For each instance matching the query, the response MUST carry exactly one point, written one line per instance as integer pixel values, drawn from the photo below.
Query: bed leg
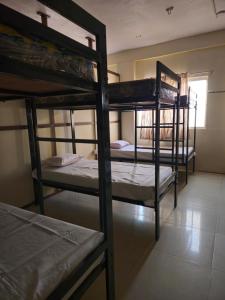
(109, 276)
(175, 193)
(35, 189)
(157, 223)
(193, 166)
(186, 173)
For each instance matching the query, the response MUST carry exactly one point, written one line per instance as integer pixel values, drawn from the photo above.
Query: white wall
(15, 168)
(195, 54)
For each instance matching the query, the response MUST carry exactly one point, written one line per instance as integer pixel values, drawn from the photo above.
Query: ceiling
(135, 23)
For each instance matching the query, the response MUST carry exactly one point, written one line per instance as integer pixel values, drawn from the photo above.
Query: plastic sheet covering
(37, 52)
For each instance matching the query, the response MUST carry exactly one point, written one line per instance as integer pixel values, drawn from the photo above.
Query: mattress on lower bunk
(37, 52)
(129, 180)
(146, 154)
(38, 252)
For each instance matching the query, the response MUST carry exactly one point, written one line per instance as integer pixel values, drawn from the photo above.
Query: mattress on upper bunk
(185, 100)
(38, 252)
(41, 53)
(128, 152)
(130, 181)
(138, 90)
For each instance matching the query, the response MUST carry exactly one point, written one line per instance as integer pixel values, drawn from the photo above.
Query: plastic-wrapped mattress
(37, 52)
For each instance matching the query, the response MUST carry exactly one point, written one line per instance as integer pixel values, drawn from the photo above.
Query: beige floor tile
(221, 224)
(219, 253)
(191, 245)
(166, 277)
(217, 289)
(179, 265)
(197, 218)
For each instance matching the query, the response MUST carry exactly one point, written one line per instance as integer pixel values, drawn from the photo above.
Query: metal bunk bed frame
(185, 126)
(75, 103)
(77, 15)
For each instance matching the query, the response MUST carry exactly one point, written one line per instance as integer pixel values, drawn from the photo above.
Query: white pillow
(118, 144)
(62, 160)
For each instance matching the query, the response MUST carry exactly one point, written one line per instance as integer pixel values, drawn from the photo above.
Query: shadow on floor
(133, 234)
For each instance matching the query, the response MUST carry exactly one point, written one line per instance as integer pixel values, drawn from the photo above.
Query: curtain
(166, 116)
(184, 84)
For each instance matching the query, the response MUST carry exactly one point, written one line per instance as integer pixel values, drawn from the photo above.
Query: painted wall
(15, 169)
(203, 53)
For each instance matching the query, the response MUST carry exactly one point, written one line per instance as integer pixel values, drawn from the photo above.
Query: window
(200, 86)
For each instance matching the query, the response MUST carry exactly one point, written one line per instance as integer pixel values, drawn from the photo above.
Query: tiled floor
(188, 262)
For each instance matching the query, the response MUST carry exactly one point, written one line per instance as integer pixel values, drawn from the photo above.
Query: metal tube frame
(77, 15)
(156, 106)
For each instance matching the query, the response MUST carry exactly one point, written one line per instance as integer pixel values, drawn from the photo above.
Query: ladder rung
(66, 140)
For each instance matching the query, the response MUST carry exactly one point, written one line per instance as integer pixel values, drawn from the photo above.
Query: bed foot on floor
(157, 224)
(193, 165)
(175, 194)
(186, 174)
(109, 277)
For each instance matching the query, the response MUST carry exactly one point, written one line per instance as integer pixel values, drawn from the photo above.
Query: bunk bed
(37, 61)
(134, 183)
(186, 150)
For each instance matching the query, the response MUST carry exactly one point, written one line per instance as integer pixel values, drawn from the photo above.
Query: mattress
(184, 99)
(43, 54)
(127, 152)
(130, 181)
(38, 252)
(137, 90)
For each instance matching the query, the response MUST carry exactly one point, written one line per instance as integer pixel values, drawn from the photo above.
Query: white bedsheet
(145, 154)
(38, 252)
(129, 180)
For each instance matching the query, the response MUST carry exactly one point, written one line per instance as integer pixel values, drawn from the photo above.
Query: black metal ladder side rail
(177, 141)
(135, 134)
(32, 147)
(157, 151)
(120, 128)
(183, 133)
(153, 135)
(195, 135)
(187, 138)
(104, 163)
(173, 137)
(38, 157)
(73, 132)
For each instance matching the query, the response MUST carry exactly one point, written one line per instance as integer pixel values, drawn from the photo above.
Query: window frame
(199, 78)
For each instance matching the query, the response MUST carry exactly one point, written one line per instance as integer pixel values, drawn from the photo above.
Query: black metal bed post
(183, 133)
(38, 157)
(187, 137)
(157, 150)
(32, 146)
(135, 134)
(104, 164)
(120, 124)
(173, 137)
(72, 131)
(153, 134)
(177, 140)
(194, 145)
